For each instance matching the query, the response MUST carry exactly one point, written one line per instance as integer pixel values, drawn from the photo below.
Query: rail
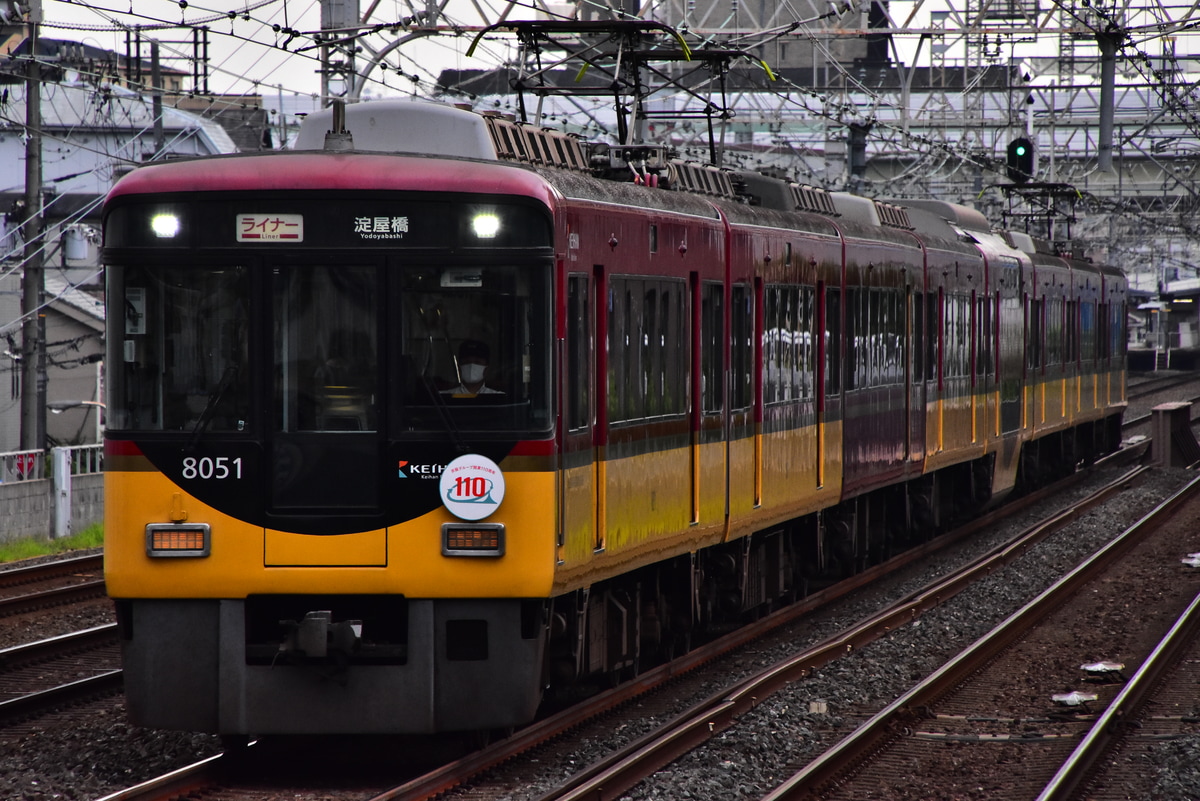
(851, 752)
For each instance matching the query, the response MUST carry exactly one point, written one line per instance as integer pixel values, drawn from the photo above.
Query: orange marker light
(173, 539)
(479, 539)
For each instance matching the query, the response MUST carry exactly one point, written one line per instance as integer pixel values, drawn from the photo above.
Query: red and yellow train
(407, 430)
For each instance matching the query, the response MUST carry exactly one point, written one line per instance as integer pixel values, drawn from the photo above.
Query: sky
(249, 55)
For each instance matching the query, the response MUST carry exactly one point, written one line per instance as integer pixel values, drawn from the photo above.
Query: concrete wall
(26, 506)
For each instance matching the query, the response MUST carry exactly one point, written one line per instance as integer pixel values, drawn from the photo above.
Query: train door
(740, 466)
(1010, 341)
(829, 394)
(708, 403)
(935, 322)
(914, 363)
(323, 431)
(581, 532)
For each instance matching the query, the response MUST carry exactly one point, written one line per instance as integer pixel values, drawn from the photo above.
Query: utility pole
(156, 92)
(33, 341)
(1108, 41)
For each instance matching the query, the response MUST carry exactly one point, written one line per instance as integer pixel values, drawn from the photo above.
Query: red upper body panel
(316, 170)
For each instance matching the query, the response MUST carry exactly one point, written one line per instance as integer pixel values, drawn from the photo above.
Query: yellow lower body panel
(245, 559)
(361, 549)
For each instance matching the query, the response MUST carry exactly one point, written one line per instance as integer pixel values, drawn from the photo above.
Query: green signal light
(1020, 150)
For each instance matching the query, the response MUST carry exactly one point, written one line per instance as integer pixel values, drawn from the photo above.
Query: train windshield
(180, 353)
(406, 351)
(474, 349)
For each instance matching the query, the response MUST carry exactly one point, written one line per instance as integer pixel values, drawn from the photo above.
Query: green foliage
(90, 537)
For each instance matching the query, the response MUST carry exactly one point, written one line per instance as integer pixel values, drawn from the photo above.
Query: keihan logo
(409, 470)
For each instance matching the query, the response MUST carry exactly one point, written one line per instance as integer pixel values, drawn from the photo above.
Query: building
(92, 133)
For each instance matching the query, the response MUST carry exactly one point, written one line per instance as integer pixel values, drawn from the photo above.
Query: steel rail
(84, 591)
(837, 761)
(28, 574)
(179, 782)
(1155, 385)
(37, 703)
(625, 768)
(1108, 729)
(94, 637)
(454, 773)
(210, 771)
(1143, 418)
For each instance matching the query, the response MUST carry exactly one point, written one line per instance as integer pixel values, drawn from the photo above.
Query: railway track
(44, 675)
(1007, 701)
(50, 584)
(623, 769)
(1154, 385)
(59, 671)
(1155, 707)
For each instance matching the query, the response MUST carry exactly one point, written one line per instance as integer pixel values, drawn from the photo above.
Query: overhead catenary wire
(924, 148)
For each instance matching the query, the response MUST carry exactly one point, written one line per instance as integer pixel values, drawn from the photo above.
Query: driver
(472, 366)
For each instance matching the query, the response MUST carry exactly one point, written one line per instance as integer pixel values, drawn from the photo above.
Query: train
(438, 415)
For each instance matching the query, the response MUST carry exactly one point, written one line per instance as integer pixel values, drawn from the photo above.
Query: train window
(1035, 338)
(917, 310)
(1076, 339)
(1116, 324)
(876, 327)
(1089, 331)
(788, 353)
(326, 348)
(472, 348)
(833, 336)
(854, 344)
(712, 329)
(180, 350)
(777, 344)
(962, 336)
(849, 343)
(807, 343)
(617, 348)
(648, 353)
(985, 353)
(955, 336)
(1052, 320)
(676, 364)
(651, 337)
(933, 343)
(742, 352)
(579, 344)
(897, 339)
(634, 350)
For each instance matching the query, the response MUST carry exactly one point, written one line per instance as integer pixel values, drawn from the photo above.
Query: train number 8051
(207, 467)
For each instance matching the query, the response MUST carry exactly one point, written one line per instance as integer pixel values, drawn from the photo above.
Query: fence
(31, 465)
(51, 500)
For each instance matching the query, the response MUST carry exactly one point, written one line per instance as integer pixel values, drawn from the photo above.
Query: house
(91, 135)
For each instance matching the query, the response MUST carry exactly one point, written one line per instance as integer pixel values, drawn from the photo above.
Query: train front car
(330, 442)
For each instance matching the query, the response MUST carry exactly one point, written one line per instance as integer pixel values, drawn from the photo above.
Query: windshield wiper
(214, 398)
(443, 409)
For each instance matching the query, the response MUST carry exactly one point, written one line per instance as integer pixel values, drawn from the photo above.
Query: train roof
(331, 171)
(954, 213)
(391, 146)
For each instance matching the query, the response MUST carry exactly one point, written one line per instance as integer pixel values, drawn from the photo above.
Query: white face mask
(471, 373)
